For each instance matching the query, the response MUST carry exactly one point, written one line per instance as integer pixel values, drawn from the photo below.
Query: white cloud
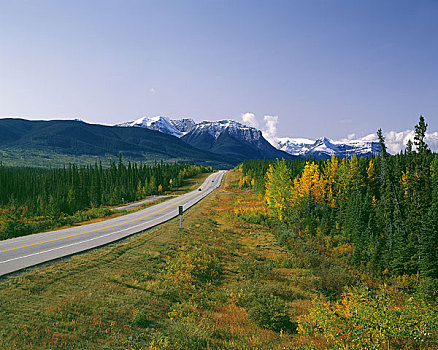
(395, 141)
(152, 91)
(250, 119)
(270, 130)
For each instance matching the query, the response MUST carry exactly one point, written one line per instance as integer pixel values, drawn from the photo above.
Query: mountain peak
(211, 135)
(162, 124)
(216, 128)
(324, 147)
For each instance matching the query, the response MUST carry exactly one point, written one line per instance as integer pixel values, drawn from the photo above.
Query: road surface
(136, 204)
(22, 252)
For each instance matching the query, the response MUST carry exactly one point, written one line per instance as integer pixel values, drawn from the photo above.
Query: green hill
(25, 142)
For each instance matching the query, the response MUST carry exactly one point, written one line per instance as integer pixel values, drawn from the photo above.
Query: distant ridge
(165, 125)
(79, 138)
(324, 148)
(227, 138)
(233, 139)
(239, 141)
(223, 143)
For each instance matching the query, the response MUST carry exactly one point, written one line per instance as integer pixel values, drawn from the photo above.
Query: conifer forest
(386, 206)
(34, 199)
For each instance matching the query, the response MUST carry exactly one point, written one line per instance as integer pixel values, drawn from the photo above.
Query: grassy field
(218, 283)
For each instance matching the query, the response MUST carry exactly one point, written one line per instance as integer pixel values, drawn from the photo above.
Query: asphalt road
(22, 252)
(136, 204)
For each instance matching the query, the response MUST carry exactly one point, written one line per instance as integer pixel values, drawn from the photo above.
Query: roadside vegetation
(217, 283)
(34, 200)
(230, 279)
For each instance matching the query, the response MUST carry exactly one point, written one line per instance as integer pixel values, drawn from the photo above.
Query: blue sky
(323, 67)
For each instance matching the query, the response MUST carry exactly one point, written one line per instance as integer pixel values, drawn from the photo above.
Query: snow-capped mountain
(232, 138)
(178, 127)
(325, 148)
(184, 125)
(216, 128)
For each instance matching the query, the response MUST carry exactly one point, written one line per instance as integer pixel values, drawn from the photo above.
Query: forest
(374, 217)
(34, 199)
(386, 206)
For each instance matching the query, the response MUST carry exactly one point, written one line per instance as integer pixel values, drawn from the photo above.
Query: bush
(270, 312)
(250, 267)
(191, 271)
(372, 319)
(141, 319)
(264, 305)
(334, 278)
(428, 289)
(91, 214)
(185, 310)
(189, 335)
(283, 233)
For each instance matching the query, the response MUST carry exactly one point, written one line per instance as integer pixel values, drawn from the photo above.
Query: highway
(22, 252)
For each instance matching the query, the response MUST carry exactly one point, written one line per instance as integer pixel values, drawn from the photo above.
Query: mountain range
(324, 148)
(74, 138)
(234, 139)
(227, 138)
(223, 143)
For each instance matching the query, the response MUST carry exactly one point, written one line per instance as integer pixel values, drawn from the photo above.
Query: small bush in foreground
(270, 312)
(366, 319)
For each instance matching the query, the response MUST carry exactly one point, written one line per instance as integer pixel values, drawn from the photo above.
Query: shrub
(334, 278)
(263, 304)
(141, 319)
(250, 267)
(372, 319)
(270, 312)
(190, 271)
(184, 310)
(189, 335)
(428, 289)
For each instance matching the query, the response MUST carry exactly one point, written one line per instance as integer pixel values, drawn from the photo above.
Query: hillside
(232, 139)
(68, 138)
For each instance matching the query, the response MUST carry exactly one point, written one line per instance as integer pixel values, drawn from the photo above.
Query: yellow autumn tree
(244, 182)
(310, 185)
(331, 174)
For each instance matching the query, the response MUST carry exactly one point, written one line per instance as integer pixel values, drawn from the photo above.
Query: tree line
(386, 206)
(30, 196)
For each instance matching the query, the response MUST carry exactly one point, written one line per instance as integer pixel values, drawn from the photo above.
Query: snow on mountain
(294, 146)
(165, 125)
(205, 134)
(184, 125)
(232, 139)
(216, 128)
(325, 148)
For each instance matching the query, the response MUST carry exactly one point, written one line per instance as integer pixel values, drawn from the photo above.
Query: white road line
(69, 245)
(83, 241)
